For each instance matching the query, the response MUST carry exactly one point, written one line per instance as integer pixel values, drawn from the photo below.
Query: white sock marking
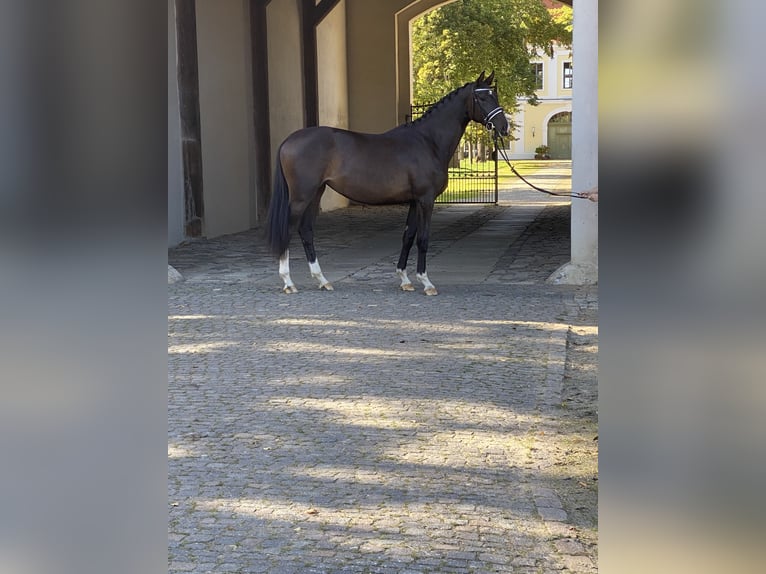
(316, 273)
(284, 270)
(402, 273)
(427, 285)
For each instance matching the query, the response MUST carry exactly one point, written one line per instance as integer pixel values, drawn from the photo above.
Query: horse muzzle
(503, 131)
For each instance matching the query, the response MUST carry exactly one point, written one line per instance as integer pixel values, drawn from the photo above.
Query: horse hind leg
(297, 212)
(306, 231)
(284, 259)
(284, 273)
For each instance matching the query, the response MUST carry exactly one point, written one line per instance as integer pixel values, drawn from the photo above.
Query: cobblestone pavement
(373, 430)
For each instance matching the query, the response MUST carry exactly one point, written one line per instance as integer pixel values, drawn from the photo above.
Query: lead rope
(501, 149)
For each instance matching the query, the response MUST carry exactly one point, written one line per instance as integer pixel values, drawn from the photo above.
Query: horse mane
(438, 104)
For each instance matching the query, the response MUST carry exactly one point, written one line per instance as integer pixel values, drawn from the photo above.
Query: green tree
(453, 44)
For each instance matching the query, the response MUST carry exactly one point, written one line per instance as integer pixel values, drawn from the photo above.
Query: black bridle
(488, 116)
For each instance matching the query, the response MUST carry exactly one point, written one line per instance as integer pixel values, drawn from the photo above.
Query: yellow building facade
(550, 122)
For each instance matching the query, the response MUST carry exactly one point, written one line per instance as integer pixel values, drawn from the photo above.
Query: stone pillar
(583, 267)
(285, 80)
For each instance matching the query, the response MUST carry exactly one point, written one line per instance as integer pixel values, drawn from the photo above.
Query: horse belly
(377, 185)
(377, 169)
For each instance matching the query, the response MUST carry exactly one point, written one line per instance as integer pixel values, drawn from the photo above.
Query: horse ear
(491, 78)
(480, 79)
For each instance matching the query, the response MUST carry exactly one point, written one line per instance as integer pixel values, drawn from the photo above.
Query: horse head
(485, 108)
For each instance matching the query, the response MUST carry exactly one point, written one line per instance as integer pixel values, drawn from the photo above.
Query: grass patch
(474, 177)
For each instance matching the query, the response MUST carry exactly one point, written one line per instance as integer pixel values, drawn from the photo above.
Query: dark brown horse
(407, 164)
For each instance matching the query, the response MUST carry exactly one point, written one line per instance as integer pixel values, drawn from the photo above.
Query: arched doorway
(560, 136)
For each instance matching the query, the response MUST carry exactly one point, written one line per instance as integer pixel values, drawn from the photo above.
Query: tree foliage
(454, 43)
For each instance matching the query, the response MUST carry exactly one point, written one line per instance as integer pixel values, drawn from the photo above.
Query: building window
(537, 72)
(567, 75)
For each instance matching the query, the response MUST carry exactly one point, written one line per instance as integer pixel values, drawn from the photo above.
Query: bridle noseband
(487, 121)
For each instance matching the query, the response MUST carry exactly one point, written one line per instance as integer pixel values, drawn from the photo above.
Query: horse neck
(445, 125)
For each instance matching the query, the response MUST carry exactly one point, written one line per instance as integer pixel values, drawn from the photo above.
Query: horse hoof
(289, 289)
(430, 291)
(408, 287)
(327, 286)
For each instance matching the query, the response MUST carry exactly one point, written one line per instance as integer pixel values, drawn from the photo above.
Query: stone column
(583, 267)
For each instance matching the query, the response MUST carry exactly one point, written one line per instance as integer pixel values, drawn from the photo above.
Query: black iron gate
(473, 168)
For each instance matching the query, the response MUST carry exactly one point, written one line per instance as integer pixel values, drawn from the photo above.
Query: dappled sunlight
(377, 324)
(359, 411)
(471, 351)
(435, 327)
(542, 325)
(309, 380)
(433, 345)
(586, 329)
(424, 416)
(269, 509)
(193, 348)
(466, 449)
(178, 451)
(323, 349)
(551, 456)
(350, 474)
(367, 517)
(316, 322)
(479, 414)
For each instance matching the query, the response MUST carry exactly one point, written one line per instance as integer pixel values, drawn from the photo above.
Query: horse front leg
(424, 211)
(408, 238)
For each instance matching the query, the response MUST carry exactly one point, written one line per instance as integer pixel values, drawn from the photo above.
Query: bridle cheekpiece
(487, 121)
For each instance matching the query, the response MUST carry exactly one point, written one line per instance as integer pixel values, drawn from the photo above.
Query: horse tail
(278, 226)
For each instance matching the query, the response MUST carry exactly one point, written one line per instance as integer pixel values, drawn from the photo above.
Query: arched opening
(560, 136)
(404, 19)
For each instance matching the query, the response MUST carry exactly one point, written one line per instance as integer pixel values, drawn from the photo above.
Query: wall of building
(175, 165)
(285, 78)
(332, 69)
(333, 83)
(532, 121)
(225, 94)
(372, 66)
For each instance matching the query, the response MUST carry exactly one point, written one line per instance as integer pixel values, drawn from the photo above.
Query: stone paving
(370, 430)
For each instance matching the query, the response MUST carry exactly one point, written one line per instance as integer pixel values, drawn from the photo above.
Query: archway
(403, 51)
